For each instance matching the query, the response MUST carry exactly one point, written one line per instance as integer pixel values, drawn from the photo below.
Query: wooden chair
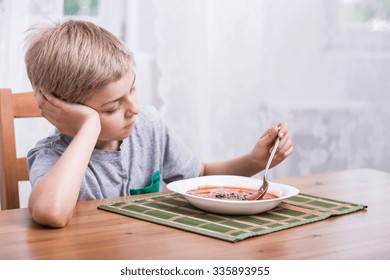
(13, 169)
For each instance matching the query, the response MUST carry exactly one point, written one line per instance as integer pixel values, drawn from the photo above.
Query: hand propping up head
(67, 117)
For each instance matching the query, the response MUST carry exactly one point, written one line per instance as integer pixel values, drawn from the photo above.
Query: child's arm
(255, 161)
(54, 196)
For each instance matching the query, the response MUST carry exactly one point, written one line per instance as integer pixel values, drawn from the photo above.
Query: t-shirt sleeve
(178, 161)
(39, 161)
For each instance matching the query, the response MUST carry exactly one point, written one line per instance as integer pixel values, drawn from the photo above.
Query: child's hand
(68, 118)
(263, 147)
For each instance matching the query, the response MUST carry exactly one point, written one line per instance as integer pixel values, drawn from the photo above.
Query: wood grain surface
(97, 234)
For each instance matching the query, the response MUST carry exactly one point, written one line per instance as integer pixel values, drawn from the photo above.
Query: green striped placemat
(173, 210)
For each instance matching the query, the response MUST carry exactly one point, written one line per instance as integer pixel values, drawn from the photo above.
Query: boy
(106, 146)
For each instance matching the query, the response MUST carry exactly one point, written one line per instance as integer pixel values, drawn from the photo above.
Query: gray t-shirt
(151, 148)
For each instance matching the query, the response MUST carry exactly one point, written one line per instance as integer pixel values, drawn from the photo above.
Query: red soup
(230, 193)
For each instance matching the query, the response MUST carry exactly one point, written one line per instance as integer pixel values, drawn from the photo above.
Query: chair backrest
(13, 169)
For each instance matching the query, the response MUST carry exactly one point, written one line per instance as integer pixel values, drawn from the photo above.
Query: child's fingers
(39, 98)
(42, 101)
(270, 134)
(287, 152)
(283, 129)
(53, 100)
(285, 147)
(48, 109)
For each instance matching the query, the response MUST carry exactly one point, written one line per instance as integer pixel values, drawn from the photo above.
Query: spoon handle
(272, 155)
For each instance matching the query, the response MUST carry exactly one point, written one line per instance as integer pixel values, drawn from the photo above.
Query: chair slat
(22, 171)
(24, 105)
(13, 169)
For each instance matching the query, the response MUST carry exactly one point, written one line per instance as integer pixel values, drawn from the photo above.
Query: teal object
(154, 185)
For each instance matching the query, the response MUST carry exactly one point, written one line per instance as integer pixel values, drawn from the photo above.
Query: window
(81, 7)
(359, 25)
(109, 14)
(372, 15)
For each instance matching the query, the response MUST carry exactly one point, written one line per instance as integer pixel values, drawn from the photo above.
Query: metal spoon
(264, 187)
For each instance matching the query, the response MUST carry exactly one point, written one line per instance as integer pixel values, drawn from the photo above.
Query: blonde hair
(72, 59)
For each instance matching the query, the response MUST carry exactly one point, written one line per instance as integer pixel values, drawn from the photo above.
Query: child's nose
(132, 107)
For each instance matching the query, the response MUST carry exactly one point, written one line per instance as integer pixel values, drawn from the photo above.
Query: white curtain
(15, 18)
(230, 69)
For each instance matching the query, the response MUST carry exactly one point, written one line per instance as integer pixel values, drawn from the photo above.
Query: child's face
(117, 106)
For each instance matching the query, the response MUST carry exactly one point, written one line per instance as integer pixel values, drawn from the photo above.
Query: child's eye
(113, 110)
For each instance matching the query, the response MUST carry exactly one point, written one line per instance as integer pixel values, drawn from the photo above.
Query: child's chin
(125, 135)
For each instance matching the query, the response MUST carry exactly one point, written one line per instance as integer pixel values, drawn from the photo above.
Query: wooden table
(97, 234)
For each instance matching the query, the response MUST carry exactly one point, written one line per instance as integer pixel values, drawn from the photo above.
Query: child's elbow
(49, 216)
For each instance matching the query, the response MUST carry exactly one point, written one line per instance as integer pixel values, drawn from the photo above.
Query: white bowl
(232, 207)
